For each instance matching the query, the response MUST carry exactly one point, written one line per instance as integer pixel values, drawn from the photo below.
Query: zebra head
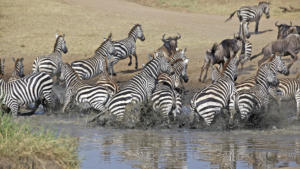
(265, 8)
(2, 61)
(230, 69)
(181, 66)
(60, 44)
(108, 46)
(278, 65)
(137, 32)
(166, 65)
(19, 66)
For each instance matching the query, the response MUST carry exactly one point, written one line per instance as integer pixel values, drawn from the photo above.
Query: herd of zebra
(161, 79)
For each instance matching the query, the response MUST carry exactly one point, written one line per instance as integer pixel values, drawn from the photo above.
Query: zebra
(288, 89)
(89, 68)
(126, 48)
(256, 98)
(140, 87)
(248, 14)
(167, 94)
(210, 101)
(165, 97)
(277, 66)
(51, 64)
(26, 90)
(251, 100)
(18, 71)
(95, 96)
(245, 53)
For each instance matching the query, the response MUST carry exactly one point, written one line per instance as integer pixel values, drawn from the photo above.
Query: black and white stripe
(254, 99)
(165, 98)
(26, 90)
(288, 89)
(51, 64)
(246, 52)
(94, 96)
(91, 67)
(127, 47)
(211, 100)
(140, 87)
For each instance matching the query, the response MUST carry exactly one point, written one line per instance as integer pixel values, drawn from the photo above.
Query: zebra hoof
(114, 74)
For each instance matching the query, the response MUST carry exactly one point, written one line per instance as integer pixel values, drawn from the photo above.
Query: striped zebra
(140, 87)
(248, 14)
(211, 100)
(288, 89)
(256, 99)
(51, 64)
(252, 100)
(127, 47)
(26, 90)
(277, 66)
(245, 53)
(18, 71)
(165, 97)
(82, 93)
(91, 67)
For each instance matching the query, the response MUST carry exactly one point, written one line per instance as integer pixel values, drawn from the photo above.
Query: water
(176, 148)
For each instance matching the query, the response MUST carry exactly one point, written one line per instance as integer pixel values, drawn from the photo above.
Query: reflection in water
(198, 149)
(116, 148)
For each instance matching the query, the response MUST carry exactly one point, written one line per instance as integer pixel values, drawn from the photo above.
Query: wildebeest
(168, 49)
(220, 53)
(284, 30)
(288, 46)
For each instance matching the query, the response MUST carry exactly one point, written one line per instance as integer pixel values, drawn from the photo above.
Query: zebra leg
(256, 26)
(136, 60)
(112, 72)
(297, 97)
(67, 100)
(130, 60)
(205, 66)
(14, 108)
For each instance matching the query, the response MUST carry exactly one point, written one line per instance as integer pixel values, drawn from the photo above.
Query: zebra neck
(132, 37)
(152, 69)
(101, 52)
(57, 51)
(71, 79)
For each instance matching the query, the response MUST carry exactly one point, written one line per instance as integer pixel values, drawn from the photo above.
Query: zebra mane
(58, 37)
(104, 42)
(214, 48)
(133, 28)
(2, 61)
(70, 67)
(263, 2)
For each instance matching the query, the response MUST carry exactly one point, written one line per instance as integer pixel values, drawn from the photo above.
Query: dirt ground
(28, 30)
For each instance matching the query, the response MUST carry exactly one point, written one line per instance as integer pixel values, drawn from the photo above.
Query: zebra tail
(231, 15)
(255, 56)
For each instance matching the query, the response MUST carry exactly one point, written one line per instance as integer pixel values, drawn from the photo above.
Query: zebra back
(106, 81)
(89, 68)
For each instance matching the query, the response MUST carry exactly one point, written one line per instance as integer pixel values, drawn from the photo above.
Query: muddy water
(179, 148)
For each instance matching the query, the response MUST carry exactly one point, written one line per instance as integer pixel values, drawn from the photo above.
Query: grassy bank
(221, 7)
(22, 146)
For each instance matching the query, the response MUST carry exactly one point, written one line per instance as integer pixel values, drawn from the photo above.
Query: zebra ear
(14, 59)
(186, 61)
(109, 36)
(22, 59)
(56, 35)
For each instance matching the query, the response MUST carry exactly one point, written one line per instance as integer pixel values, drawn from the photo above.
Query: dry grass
(22, 145)
(220, 7)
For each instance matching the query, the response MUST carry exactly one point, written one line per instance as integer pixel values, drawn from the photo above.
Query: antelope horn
(163, 38)
(276, 23)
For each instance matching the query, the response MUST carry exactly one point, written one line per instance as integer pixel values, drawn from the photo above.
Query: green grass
(22, 146)
(221, 7)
